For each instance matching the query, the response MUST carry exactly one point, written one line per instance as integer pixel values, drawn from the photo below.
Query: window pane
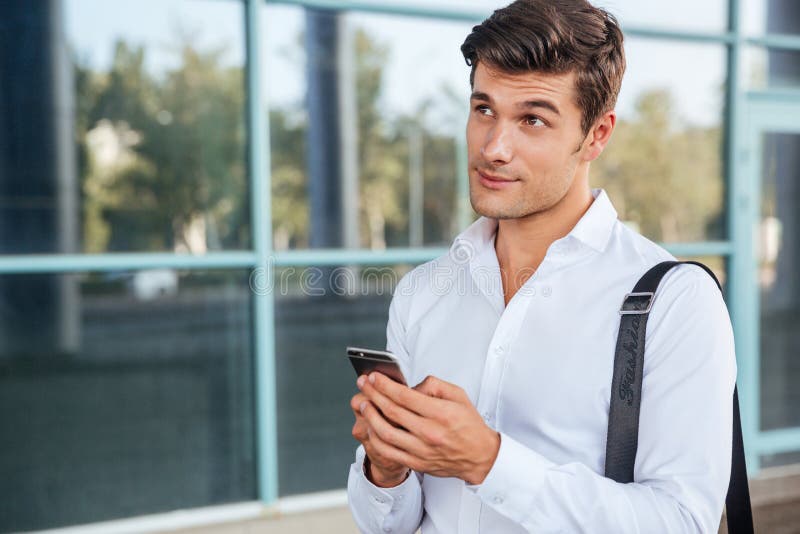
(378, 168)
(319, 312)
(770, 68)
(123, 126)
(778, 259)
(770, 16)
(663, 166)
(781, 459)
(709, 15)
(123, 394)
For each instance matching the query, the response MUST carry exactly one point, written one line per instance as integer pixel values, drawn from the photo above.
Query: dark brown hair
(554, 37)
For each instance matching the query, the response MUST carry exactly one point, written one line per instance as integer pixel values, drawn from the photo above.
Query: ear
(599, 135)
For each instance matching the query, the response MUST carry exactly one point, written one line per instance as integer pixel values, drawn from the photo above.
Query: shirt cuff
(512, 483)
(383, 498)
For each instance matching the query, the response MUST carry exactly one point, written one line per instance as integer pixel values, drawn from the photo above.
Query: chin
(497, 210)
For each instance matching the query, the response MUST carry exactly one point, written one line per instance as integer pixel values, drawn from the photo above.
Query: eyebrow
(528, 104)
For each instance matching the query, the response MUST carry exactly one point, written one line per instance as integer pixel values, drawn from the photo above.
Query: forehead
(524, 86)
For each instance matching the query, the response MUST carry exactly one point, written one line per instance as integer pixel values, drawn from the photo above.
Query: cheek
(547, 151)
(539, 154)
(474, 135)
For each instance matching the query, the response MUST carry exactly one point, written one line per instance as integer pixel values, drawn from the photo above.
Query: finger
(428, 431)
(392, 411)
(383, 453)
(436, 387)
(356, 400)
(412, 400)
(392, 435)
(359, 431)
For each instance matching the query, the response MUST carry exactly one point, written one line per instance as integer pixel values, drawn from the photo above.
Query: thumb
(436, 387)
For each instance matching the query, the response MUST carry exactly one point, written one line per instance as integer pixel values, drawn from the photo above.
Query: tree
(164, 164)
(665, 180)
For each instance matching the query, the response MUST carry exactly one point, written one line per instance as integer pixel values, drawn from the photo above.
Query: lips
(495, 182)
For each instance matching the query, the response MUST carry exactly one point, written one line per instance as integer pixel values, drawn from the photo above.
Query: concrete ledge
(775, 495)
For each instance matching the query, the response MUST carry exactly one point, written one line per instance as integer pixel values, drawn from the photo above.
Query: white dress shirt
(539, 372)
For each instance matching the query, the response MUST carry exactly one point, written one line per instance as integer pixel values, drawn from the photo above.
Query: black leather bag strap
(626, 390)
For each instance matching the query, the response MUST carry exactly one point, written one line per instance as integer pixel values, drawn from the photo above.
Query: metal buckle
(649, 294)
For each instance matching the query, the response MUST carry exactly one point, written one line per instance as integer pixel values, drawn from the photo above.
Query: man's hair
(554, 37)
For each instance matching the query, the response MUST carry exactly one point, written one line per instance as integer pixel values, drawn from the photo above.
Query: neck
(522, 243)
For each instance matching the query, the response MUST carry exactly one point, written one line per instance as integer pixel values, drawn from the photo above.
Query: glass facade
(202, 202)
(124, 393)
(319, 311)
(664, 168)
(778, 282)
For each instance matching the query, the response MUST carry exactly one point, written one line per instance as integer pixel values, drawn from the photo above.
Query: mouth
(491, 181)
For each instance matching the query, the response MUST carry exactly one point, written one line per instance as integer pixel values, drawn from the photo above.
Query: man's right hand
(381, 472)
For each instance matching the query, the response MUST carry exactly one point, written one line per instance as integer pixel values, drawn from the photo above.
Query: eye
(533, 120)
(483, 109)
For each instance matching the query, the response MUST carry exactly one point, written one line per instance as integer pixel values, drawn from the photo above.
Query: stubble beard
(527, 203)
(524, 203)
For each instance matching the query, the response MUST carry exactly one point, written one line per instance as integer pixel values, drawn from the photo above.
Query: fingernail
(362, 406)
(360, 381)
(372, 378)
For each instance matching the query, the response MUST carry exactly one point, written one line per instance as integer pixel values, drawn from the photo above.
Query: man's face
(524, 140)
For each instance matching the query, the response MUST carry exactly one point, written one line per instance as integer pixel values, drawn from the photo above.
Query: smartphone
(366, 361)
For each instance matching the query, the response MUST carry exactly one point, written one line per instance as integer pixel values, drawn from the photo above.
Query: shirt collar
(593, 229)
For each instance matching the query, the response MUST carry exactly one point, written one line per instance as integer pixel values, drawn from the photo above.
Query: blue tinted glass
(123, 126)
(379, 167)
(123, 394)
(320, 312)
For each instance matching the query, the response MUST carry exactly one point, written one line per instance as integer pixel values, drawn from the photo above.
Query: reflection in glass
(315, 321)
(779, 459)
(663, 166)
(779, 257)
(378, 169)
(684, 15)
(128, 127)
(123, 394)
(771, 68)
(770, 16)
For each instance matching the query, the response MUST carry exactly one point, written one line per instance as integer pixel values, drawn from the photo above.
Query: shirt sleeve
(683, 461)
(377, 510)
(399, 509)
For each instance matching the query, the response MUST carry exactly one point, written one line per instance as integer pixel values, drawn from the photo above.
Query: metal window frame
(736, 249)
(762, 111)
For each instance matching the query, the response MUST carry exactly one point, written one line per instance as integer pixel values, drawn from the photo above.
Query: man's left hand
(432, 428)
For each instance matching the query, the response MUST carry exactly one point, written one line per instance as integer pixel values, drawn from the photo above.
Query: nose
(497, 147)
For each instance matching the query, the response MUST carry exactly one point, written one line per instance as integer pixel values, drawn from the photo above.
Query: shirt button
(547, 291)
(387, 529)
(499, 350)
(487, 416)
(380, 500)
(498, 499)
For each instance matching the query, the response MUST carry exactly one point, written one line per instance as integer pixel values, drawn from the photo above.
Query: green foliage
(664, 179)
(163, 160)
(164, 167)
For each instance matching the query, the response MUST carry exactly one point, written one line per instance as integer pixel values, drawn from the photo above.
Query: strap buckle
(635, 310)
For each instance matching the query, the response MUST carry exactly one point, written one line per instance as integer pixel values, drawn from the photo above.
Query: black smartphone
(366, 361)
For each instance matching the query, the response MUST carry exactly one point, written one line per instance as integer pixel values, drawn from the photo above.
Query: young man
(511, 336)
